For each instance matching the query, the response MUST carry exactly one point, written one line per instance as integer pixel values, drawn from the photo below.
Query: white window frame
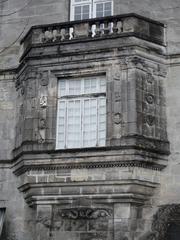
(81, 97)
(95, 2)
(91, 3)
(75, 3)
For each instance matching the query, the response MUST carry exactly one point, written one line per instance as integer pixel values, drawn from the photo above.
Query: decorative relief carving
(44, 220)
(43, 101)
(40, 136)
(117, 96)
(42, 123)
(150, 79)
(85, 213)
(150, 98)
(150, 120)
(43, 78)
(118, 118)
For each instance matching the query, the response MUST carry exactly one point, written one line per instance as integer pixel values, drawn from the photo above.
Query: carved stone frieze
(85, 213)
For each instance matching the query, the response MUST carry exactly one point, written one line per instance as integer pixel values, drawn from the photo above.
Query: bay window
(81, 117)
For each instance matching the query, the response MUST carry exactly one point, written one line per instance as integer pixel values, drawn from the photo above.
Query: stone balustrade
(113, 26)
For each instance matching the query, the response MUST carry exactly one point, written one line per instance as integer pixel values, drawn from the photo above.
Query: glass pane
(86, 127)
(85, 16)
(73, 124)
(90, 123)
(91, 85)
(87, 85)
(77, 13)
(85, 12)
(61, 124)
(99, 7)
(77, 17)
(74, 87)
(107, 9)
(103, 85)
(107, 6)
(99, 10)
(102, 121)
(86, 9)
(77, 10)
(62, 88)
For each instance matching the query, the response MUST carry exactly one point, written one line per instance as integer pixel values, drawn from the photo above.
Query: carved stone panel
(68, 223)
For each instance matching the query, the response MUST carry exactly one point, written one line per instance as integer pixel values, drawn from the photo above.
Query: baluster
(120, 26)
(90, 30)
(67, 33)
(50, 35)
(71, 33)
(54, 33)
(106, 28)
(58, 36)
(115, 28)
(62, 32)
(98, 30)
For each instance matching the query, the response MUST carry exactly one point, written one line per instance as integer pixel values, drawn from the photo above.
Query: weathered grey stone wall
(12, 28)
(169, 191)
(18, 216)
(8, 98)
(19, 15)
(16, 19)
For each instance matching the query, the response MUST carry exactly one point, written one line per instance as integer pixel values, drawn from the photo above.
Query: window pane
(77, 10)
(102, 85)
(99, 7)
(61, 124)
(81, 12)
(102, 122)
(74, 87)
(107, 6)
(62, 88)
(99, 10)
(81, 120)
(73, 124)
(103, 9)
(91, 85)
(90, 123)
(86, 9)
(77, 13)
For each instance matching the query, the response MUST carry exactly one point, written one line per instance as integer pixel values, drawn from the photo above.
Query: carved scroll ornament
(85, 213)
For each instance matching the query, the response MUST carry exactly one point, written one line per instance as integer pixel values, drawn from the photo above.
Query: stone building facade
(89, 113)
